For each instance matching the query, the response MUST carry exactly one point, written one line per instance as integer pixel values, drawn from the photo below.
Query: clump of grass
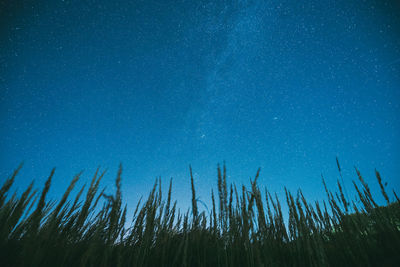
(246, 229)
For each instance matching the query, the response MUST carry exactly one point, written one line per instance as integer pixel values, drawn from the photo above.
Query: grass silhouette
(246, 228)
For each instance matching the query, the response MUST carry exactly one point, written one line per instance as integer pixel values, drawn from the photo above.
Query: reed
(247, 229)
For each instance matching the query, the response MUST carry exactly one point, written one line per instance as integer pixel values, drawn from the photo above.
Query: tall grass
(245, 227)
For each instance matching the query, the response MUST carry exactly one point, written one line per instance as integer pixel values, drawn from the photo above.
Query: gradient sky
(157, 85)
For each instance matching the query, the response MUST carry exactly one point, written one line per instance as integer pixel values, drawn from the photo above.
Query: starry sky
(157, 85)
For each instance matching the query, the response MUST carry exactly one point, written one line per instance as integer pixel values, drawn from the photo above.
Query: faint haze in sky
(157, 85)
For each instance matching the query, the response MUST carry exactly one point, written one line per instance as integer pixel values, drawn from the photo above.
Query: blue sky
(157, 85)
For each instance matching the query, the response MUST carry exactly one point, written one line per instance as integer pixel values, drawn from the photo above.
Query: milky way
(283, 85)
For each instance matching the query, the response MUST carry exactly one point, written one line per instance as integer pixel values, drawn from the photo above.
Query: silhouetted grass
(247, 228)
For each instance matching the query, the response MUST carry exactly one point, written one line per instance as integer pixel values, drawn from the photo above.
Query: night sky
(157, 85)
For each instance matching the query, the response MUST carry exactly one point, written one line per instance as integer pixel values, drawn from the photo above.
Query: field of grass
(245, 227)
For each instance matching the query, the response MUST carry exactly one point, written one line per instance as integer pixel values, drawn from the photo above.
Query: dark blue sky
(157, 85)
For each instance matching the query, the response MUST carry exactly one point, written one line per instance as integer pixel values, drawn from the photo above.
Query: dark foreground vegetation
(245, 227)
